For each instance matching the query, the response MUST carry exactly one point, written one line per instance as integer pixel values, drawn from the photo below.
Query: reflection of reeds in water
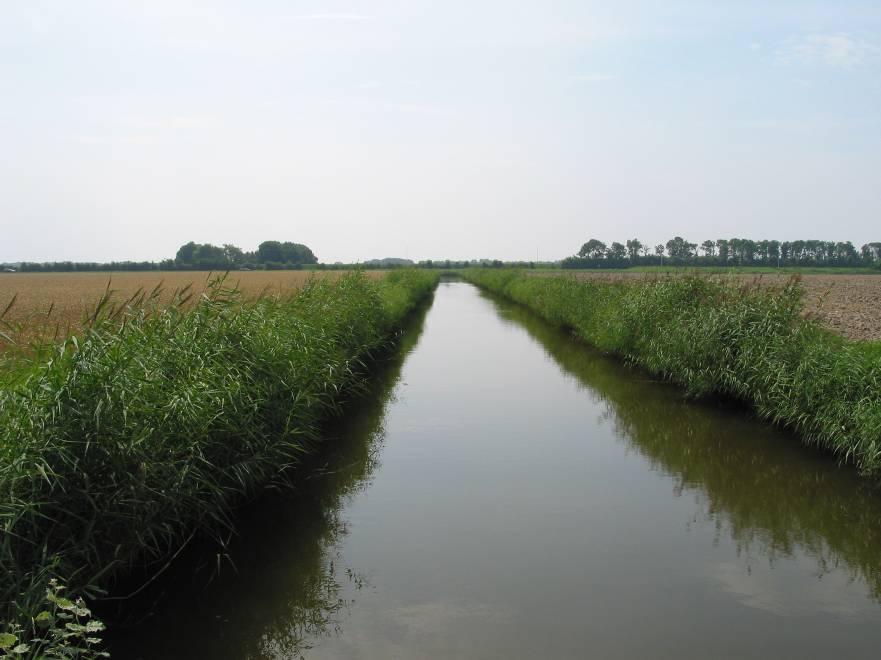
(773, 498)
(736, 339)
(289, 586)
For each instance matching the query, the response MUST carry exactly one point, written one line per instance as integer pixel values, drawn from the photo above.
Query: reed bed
(124, 442)
(724, 337)
(52, 306)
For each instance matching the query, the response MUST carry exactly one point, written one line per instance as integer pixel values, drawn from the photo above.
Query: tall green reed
(119, 445)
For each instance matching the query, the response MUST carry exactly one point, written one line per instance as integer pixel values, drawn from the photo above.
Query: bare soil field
(847, 304)
(55, 304)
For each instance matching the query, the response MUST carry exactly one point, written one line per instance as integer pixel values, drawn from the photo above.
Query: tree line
(269, 255)
(724, 252)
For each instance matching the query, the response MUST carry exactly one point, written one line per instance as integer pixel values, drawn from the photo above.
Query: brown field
(847, 304)
(51, 304)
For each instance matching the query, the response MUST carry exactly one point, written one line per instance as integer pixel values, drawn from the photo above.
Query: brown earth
(55, 304)
(849, 305)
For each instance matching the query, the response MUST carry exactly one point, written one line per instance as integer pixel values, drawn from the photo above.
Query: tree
(209, 256)
(269, 251)
(709, 248)
(633, 248)
(679, 248)
(845, 253)
(617, 251)
(593, 249)
(871, 252)
(185, 253)
(233, 254)
(297, 253)
(659, 250)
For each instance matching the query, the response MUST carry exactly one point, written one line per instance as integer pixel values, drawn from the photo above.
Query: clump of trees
(725, 252)
(270, 255)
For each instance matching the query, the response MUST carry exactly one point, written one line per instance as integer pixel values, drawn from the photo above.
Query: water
(506, 492)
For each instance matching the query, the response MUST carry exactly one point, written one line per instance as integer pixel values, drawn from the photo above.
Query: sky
(451, 129)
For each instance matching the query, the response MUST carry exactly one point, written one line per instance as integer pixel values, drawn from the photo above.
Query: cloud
(338, 16)
(755, 45)
(594, 78)
(838, 50)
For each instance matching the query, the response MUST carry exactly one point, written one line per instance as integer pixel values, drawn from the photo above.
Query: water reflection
(773, 497)
(289, 586)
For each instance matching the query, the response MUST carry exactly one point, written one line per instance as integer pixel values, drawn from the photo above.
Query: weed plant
(724, 338)
(119, 445)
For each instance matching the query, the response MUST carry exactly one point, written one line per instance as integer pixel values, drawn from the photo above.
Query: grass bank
(123, 443)
(724, 338)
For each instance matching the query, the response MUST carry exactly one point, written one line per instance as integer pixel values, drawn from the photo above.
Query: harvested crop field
(54, 304)
(849, 305)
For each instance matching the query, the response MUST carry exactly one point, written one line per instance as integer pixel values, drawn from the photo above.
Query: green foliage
(726, 338)
(725, 253)
(121, 444)
(287, 252)
(64, 629)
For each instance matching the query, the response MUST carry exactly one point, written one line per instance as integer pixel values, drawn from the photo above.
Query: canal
(505, 492)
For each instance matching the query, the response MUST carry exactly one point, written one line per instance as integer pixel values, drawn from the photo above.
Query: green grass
(120, 445)
(726, 338)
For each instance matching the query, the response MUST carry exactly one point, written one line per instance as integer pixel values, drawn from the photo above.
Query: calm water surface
(507, 493)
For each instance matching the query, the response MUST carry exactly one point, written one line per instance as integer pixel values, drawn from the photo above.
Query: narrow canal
(505, 492)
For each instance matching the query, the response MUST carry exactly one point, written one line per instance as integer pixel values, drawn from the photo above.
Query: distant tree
(659, 250)
(709, 248)
(845, 253)
(209, 256)
(617, 251)
(871, 252)
(269, 251)
(285, 253)
(297, 253)
(233, 254)
(679, 248)
(593, 248)
(633, 248)
(185, 253)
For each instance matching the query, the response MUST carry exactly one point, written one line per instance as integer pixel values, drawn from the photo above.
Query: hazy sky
(457, 129)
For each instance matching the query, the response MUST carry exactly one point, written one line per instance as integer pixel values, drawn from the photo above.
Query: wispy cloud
(423, 109)
(594, 78)
(334, 16)
(835, 50)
